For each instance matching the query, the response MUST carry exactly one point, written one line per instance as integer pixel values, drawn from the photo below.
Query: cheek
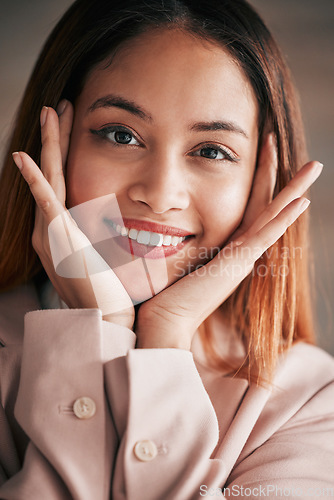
(224, 209)
(88, 175)
(78, 190)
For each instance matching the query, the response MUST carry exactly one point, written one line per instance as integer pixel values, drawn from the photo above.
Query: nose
(161, 184)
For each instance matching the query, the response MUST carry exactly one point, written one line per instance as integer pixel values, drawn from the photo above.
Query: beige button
(84, 407)
(145, 450)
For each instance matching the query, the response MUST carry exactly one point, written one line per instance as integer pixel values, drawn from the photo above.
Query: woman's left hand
(171, 318)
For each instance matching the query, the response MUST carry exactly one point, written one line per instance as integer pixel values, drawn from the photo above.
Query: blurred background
(304, 29)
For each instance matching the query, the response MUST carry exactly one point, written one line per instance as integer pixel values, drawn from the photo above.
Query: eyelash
(229, 156)
(104, 132)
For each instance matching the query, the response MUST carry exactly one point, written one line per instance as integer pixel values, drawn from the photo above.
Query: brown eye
(210, 153)
(118, 136)
(123, 137)
(215, 152)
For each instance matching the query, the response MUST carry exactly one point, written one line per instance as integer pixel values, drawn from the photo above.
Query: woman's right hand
(101, 290)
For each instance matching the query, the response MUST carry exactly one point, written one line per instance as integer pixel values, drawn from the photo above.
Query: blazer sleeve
(154, 427)
(72, 448)
(166, 424)
(297, 461)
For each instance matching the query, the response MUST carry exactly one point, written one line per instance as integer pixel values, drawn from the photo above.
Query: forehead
(173, 73)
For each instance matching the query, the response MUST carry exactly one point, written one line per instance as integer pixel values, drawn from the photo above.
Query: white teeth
(156, 239)
(167, 240)
(143, 237)
(175, 240)
(133, 233)
(147, 237)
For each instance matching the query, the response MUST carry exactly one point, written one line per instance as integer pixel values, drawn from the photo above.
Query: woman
(173, 358)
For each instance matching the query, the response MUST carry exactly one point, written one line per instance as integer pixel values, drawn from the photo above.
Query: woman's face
(169, 132)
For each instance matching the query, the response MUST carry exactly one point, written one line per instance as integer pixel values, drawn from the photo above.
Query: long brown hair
(269, 311)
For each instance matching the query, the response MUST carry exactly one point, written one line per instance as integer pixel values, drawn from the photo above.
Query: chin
(143, 278)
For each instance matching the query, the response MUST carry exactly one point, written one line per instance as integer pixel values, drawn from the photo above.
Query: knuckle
(50, 140)
(31, 181)
(44, 205)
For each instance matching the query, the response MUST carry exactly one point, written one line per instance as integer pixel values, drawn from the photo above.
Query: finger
(73, 256)
(65, 114)
(234, 263)
(264, 180)
(302, 181)
(65, 237)
(51, 161)
(44, 195)
(263, 185)
(259, 242)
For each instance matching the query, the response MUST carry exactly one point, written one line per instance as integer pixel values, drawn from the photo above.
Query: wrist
(163, 340)
(119, 319)
(155, 330)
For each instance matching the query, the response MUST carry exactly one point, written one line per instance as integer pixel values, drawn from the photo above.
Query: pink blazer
(91, 418)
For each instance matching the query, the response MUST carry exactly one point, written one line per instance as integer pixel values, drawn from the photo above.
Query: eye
(118, 135)
(211, 153)
(214, 152)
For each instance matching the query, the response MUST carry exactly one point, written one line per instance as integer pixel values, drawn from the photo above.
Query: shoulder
(304, 370)
(305, 380)
(302, 391)
(291, 444)
(299, 405)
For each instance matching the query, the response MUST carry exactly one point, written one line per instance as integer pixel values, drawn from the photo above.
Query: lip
(147, 251)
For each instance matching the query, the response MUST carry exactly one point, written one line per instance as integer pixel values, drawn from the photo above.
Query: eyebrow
(218, 125)
(116, 101)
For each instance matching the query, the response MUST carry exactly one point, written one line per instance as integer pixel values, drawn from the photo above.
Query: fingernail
(61, 106)
(320, 166)
(17, 159)
(304, 204)
(44, 114)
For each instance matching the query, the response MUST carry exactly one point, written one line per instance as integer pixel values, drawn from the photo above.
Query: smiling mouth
(158, 246)
(147, 238)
